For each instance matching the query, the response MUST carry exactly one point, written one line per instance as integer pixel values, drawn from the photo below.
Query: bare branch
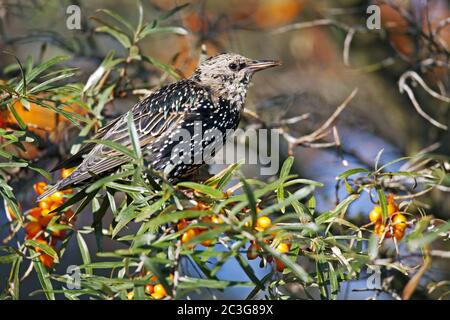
(325, 129)
(404, 87)
(310, 24)
(347, 42)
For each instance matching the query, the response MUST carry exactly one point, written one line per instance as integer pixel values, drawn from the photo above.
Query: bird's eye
(233, 66)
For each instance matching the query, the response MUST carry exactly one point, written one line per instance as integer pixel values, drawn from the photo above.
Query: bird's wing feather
(158, 113)
(102, 158)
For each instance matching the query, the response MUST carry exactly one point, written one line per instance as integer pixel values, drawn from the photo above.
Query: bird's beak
(258, 65)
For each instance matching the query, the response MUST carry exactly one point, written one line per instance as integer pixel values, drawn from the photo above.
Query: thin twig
(404, 87)
(310, 139)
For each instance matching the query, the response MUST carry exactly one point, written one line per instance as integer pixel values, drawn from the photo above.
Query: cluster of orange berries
(155, 290)
(255, 251)
(396, 225)
(193, 232)
(37, 228)
(262, 223)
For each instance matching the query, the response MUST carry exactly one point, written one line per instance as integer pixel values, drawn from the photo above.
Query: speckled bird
(213, 96)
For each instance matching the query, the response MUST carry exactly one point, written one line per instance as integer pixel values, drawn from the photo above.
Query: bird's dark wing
(160, 112)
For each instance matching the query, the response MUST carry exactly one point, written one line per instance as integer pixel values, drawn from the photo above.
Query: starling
(213, 97)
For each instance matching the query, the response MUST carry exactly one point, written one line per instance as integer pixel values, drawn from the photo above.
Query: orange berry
(44, 204)
(188, 235)
(35, 212)
(207, 243)
(157, 296)
(57, 197)
(32, 229)
(66, 172)
(201, 206)
(39, 187)
(205, 219)
(216, 220)
(263, 223)
(55, 206)
(399, 222)
(46, 260)
(283, 247)
(67, 191)
(379, 228)
(45, 219)
(45, 212)
(158, 291)
(182, 224)
(399, 233)
(149, 288)
(376, 214)
(392, 208)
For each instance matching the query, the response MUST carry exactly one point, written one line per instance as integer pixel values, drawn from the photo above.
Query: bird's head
(228, 74)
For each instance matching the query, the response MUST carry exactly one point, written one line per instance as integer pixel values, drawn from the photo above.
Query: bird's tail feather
(50, 191)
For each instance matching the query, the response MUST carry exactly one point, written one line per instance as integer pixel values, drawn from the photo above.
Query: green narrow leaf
(377, 159)
(393, 162)
(251, 201)
(324, 295)
(18, 118)
(104, 181)
(14, 278)
(383, 203)
(44, 277)
(115, 146)
(33, 73)
(351, 172)
(147, 212)
(84, 250)
(115, 33)
(140, 19)
(44, 247)
(13, 164)
(134, 136)
(41, 171)
(150, 29)
(334, 283)
(118, 18)
(202, 188)
(285, 169)
(162, 66)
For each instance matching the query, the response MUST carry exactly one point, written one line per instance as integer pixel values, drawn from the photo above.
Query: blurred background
(327, 51)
